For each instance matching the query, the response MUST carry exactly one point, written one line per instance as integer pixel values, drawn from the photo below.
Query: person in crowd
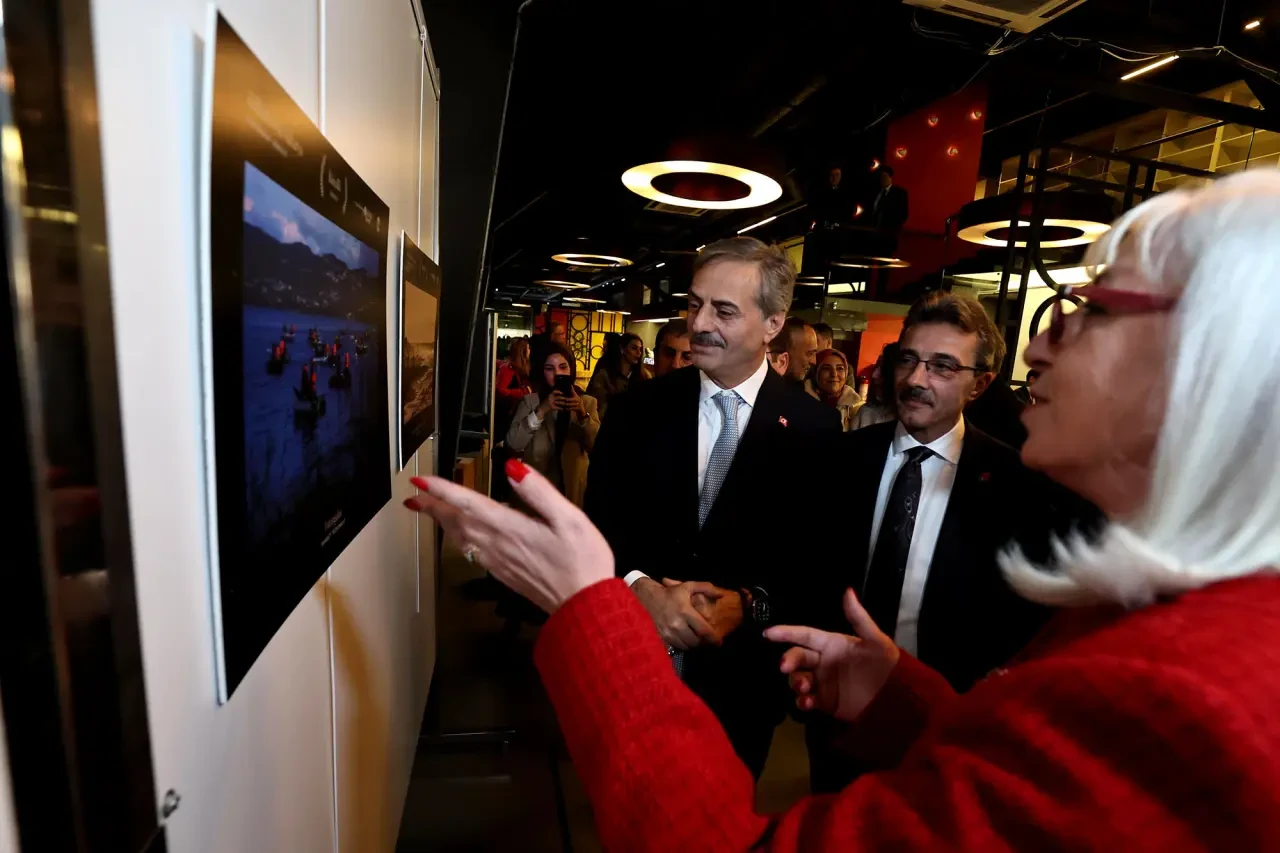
(552, 333)
(932, 500)
(998, 413)
(832, 204)
(556, 333)
(878, 406)
(671, 348)
(889, 208)
(512, 382)
(794, 351)
(711, 446)
(553, 432)
(829, 386)
(619, 368)
(1025, 394)
(1141, 719)
(825, 334)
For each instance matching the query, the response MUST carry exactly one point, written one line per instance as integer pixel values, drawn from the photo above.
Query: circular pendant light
(560, 284)
(701, 184)
(587, 259)
(871, 263)
(1070, 219)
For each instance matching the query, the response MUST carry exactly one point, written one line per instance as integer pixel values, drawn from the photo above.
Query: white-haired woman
(1146, 716)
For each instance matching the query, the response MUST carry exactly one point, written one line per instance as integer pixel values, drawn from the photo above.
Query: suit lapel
(683, 445)
(865, 474)
(952, 556)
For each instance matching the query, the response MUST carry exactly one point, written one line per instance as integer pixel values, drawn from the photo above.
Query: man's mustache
(707, 339)
(915, 394)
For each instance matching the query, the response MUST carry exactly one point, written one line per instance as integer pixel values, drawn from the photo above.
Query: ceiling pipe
(796, 100)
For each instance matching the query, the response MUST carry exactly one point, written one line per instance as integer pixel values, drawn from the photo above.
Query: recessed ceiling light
(700, 248)
(1254, 24)
(660, 266)
(607, 311)
(586, 259)
(521, 305)
(762, 189)
(584, 299)
(680, 294)
(658, 320)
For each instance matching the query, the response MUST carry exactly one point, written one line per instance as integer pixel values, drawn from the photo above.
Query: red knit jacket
(1157, 729)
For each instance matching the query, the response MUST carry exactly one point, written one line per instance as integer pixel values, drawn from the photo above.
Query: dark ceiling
(599, 87)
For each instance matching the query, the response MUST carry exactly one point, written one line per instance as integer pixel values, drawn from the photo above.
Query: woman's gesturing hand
(546, 560)
(836, 673)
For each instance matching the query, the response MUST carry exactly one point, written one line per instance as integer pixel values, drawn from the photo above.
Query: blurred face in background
(728, 331)
(831, 375)
(557, 333)
(930, 400)
(834, 177)
(633, 352)
(672, 353)
(804, 354)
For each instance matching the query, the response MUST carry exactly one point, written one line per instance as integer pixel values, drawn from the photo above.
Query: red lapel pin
(985, 476)
(782, 420)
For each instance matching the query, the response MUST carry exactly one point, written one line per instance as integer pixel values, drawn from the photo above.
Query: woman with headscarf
(827, 385)
(1142, 718)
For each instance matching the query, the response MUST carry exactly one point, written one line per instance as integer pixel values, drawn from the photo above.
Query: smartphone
(564, 384)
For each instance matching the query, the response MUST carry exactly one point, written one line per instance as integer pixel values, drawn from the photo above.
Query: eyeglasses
(1104, 301)
(943, 368)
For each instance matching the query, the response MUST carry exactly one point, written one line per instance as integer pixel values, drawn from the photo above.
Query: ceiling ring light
(560, 284)
(762, 188)
(1069, 218)
(1086, 232)
(871, 263)
(586, 259)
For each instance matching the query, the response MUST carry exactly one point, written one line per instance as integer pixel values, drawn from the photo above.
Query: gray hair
(1213, 509)
(777, 275)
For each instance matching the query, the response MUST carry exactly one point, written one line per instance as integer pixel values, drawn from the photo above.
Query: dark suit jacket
(971, 621)
(645, 466)
(891, 215)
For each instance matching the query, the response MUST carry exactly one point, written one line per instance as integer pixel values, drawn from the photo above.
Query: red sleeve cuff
(885, 730)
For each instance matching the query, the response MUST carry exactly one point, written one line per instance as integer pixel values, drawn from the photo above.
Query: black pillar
(472, 42)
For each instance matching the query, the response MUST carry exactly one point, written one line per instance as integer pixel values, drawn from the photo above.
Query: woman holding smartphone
(555, 427)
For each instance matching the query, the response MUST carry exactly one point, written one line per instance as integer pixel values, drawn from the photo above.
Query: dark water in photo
(291, 460)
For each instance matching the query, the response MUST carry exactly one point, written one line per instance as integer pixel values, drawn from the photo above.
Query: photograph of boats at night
(419, 330)
(297, 354)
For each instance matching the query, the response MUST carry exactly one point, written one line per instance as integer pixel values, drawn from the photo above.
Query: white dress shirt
(938, 474)
(711, 421)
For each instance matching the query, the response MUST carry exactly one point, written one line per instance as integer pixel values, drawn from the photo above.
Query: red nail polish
(517, 470)
(412, 503)
(420, 482)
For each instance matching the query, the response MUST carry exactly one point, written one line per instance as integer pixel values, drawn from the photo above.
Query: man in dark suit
(931, 501)
(888, 208)
(723, 449)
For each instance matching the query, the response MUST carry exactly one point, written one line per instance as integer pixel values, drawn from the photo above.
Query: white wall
(313, 751)
(8, 820)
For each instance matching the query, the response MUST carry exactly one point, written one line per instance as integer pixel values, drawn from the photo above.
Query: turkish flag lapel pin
(782, 420)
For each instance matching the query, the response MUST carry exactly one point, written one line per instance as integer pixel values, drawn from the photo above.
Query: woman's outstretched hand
(837, 674)
(546, 560)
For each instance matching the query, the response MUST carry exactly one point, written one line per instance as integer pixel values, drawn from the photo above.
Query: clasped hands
(832, 673)
(688, 614)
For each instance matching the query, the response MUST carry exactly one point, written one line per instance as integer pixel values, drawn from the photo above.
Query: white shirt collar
(948, 446)
(748, 389)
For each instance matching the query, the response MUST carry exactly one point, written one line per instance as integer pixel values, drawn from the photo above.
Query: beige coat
(848, 404)
(537, 445)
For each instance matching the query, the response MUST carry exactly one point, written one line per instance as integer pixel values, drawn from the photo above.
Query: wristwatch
(755, 606)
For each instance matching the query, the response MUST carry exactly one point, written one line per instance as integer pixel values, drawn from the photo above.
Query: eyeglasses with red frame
(1104, 301)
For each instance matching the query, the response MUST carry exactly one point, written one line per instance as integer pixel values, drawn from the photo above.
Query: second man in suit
(930, 501)
(723, 451)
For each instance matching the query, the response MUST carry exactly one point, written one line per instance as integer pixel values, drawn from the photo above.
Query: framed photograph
(295, 351)
(419, 331)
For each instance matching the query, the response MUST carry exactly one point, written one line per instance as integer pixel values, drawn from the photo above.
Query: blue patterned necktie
(721, 453)
(717, 468)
